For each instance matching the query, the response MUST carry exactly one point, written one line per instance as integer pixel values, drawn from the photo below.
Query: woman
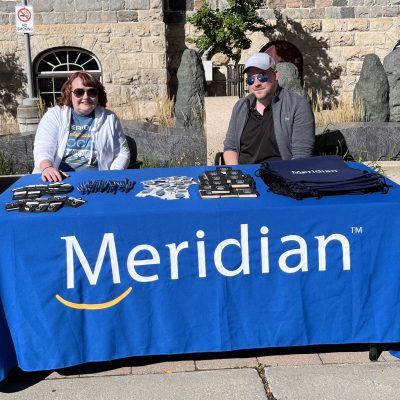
(79, 133)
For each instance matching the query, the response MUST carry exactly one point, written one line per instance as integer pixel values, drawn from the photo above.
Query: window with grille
(53, 68)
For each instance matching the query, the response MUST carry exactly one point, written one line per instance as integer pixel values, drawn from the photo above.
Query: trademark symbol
(356, 229)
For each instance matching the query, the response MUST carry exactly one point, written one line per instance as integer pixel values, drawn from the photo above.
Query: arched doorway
(280, 50)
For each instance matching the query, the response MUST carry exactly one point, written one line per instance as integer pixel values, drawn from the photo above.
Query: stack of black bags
(319, 176)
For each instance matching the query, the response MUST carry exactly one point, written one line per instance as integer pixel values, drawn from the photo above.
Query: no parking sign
(24, 19)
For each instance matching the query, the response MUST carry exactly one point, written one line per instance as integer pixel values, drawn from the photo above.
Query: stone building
(332, 36)
(121, 41)
(135, 46)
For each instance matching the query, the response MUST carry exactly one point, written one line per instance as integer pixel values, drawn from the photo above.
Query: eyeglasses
(92, 92)
(262, 78)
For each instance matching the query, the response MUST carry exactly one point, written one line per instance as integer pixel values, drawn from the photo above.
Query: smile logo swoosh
(96, 306)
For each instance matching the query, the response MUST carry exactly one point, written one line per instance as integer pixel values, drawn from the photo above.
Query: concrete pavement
(391, 169)
(331, 382)
(234, 384)
(309, 373)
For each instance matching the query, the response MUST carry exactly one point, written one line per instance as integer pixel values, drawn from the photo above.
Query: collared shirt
(258, 141)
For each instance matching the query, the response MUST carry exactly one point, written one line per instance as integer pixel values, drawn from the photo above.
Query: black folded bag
(319, 176)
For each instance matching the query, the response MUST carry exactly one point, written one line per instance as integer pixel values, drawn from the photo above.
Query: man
(271, 123)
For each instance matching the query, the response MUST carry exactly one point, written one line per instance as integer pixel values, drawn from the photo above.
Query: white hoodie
(52, 135)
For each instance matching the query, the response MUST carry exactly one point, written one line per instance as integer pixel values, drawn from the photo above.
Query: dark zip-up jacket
(294, 124)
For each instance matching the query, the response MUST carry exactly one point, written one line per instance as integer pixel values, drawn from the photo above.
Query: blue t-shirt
(80, 152)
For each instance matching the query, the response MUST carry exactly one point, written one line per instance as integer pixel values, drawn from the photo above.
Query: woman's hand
(53, 174)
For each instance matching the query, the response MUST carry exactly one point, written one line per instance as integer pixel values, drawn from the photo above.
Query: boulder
(289, 77)
(189, 106)
(372, 89)
(391, 64)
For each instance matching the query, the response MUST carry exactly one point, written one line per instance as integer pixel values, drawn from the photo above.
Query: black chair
(219, 158)
(7, 180)
(134, 163)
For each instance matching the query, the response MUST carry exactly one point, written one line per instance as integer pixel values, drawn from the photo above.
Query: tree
(12, 80)
(226, 31)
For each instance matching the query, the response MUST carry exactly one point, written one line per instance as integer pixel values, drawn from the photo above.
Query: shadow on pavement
(19, 380)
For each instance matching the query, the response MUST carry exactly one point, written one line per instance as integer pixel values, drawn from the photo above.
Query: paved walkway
(389, 168)
(307, 373)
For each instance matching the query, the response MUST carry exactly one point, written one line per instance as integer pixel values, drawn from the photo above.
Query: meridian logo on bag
(317, 171)
(146, 255)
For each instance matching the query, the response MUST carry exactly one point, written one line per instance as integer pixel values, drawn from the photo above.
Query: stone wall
(127, 36)
(139, 43)
(167, 146)
(334, 49)
(176, 146)
(360, 141)
(332, 35)
(17, 151)
(147, 142)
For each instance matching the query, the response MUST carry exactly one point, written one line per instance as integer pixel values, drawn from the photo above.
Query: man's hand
(231, 157)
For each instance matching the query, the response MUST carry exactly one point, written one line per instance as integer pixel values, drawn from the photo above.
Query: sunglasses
(92, 92)
(262, 78)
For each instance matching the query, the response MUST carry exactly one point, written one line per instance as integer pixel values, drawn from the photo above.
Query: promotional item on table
(320, 176)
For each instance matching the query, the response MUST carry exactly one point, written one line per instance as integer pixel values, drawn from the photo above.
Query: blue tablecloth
(124, 276)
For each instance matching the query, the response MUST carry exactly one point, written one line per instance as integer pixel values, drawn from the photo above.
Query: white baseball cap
(260, 60)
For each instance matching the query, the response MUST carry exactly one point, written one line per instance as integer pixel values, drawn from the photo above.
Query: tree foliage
(227, 30)
(12, 80)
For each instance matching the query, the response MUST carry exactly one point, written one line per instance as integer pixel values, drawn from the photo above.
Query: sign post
(24, 24)
(28, 114)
